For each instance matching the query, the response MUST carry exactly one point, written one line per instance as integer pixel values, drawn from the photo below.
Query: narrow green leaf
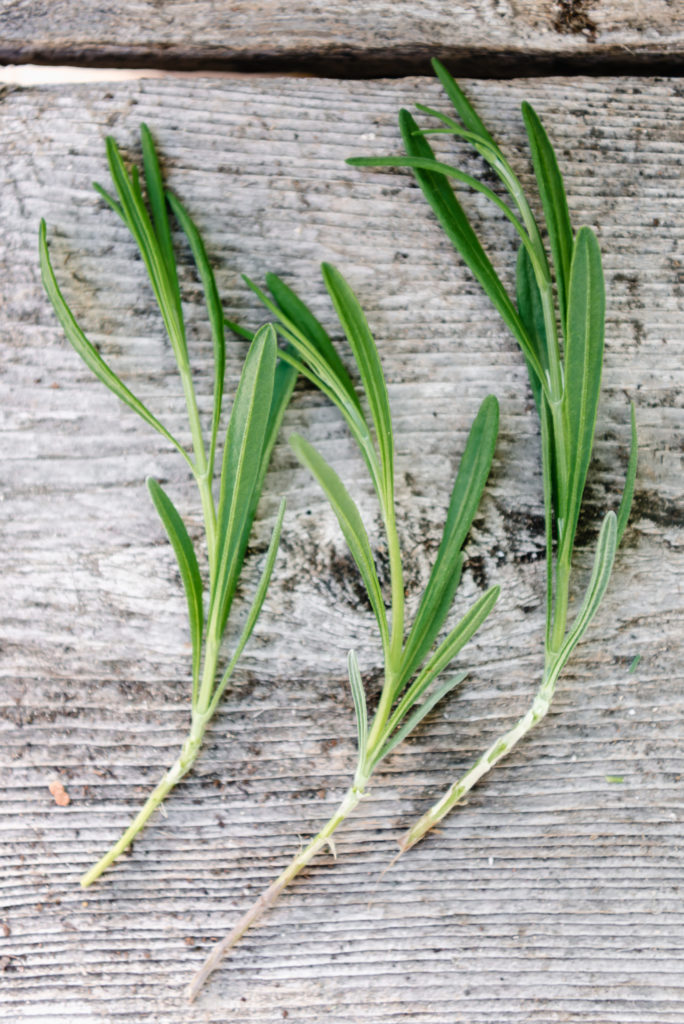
(157, 199)
(333, 391)
(214, 309)
(283, 386)
(532, 315)
(315, 367)
(110, 200)
(355, 326)
(461, 633)
(583, 363)
(294, 312)
(549, 477)
(554, 202)
(440, 195)
(418, 715)
(310, 365)
(164, 284)
(434, 607)
(628, 493)
(465, 498)
(242, 332)
(189, 570)
(350, 522)
(461, 103)
(298, 313)
(359, 698)
(241, 467)
(255, 609)
(87, 351)
(446, 652)
(600, 577)
(431, 166)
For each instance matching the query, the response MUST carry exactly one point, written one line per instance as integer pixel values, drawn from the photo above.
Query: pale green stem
(484, 764)
(202, 469)
(211, 655)
(540, 265)
(270, 895)
(560, 609)
(376, 735)
(504, 744)
(181, 766)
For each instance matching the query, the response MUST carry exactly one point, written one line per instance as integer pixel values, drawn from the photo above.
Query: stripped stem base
(270, 895)
(180, 767)
(498, 750)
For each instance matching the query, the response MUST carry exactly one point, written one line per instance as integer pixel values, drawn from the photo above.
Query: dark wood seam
(345, 64)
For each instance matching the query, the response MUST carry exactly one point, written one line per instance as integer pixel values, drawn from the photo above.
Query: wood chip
(62, 798)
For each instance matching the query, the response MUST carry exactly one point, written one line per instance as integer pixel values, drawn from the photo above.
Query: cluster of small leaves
(263, 393)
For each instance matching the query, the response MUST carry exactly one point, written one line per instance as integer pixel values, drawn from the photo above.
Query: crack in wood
(341, 63)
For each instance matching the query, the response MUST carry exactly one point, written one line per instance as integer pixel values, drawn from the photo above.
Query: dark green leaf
(189, 570)
(214, 309)
(241, 468)
(465, 499)
(355, 326)
(157, 199)
(583, 363)
(555, 203)
(300, 315)
(449, 212)
(431, 166)
(255, 609)
(136, 217)
(532, 316)
(418, 715)
(461, 104)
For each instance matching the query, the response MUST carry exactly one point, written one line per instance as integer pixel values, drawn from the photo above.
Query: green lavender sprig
(564, 369)
(413, 659)
(263, 393)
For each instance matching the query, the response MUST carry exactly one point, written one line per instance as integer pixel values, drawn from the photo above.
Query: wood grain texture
(555, 895)
(478, 37)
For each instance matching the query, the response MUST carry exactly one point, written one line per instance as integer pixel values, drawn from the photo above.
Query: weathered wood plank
(554, 896)
(478, 37)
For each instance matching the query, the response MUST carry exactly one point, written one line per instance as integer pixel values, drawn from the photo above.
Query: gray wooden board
(555, 895)
(343, 37)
